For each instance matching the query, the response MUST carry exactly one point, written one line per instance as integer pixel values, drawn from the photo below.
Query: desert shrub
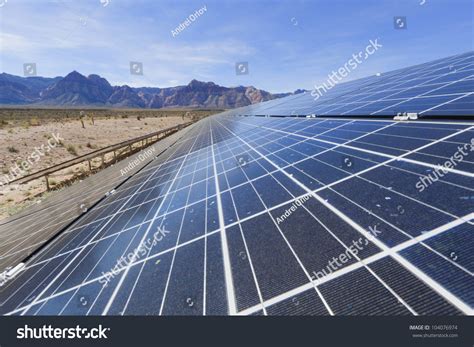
(34, 122)
(71, 149)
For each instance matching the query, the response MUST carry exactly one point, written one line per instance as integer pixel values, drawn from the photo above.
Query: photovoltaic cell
(280, 215)
(444, 87)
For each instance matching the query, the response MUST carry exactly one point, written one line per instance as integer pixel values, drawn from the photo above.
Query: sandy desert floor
(18, 139)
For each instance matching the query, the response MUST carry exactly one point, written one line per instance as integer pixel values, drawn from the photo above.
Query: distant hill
(20, 90)
(78, 90)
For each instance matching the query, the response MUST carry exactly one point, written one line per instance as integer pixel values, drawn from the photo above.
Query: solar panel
(22, 234)
(443, 87)
(274, 216)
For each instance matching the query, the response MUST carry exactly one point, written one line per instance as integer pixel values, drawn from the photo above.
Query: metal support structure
(47, 183)
(99, 154)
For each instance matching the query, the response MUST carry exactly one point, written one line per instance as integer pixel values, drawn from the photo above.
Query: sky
(288, 44)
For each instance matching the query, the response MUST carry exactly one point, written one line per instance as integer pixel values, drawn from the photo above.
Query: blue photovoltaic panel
(282, 215)
(245, 215)
(444, 87)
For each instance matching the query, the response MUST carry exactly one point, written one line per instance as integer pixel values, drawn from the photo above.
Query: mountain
(20, 90)
(211, 95)
(76, 89)
(125, 96)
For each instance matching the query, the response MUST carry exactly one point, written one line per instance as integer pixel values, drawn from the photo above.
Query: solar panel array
(444, 87)
(24, 233)
(277, 216)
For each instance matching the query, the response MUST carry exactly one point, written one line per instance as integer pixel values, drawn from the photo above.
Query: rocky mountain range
(78, 90)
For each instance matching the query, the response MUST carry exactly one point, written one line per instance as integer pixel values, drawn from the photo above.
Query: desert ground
(81, 131)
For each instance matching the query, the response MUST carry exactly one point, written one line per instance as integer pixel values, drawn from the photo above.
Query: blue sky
(288, 44)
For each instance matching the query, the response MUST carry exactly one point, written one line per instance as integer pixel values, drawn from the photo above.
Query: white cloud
(14, 44)
(200, 52)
